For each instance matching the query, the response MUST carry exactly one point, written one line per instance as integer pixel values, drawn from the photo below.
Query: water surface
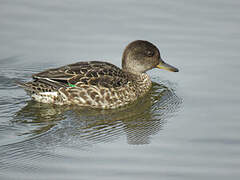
(187, 127)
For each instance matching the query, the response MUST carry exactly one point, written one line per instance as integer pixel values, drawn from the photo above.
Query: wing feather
(89, 73)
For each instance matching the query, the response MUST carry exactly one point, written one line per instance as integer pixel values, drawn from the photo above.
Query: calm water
(187, 127)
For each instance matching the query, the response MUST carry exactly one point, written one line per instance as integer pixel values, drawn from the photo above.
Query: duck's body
(98, 84)
(95, 84)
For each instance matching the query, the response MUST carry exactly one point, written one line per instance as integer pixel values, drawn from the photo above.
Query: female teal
(99, 84)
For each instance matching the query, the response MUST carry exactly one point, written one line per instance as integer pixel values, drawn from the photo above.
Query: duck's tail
(41, 91)
(38, 86)
(29, 87)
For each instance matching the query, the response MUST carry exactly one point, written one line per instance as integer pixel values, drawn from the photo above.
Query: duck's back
(95, 84)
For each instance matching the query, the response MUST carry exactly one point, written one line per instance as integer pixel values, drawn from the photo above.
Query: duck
(98, 84)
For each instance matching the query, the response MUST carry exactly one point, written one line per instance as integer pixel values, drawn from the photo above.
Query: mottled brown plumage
(99, 84)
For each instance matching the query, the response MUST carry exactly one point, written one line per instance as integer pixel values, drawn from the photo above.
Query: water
(186, 128)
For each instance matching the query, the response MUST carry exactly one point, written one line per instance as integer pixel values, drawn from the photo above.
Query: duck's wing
(88, 73)
(106, 81)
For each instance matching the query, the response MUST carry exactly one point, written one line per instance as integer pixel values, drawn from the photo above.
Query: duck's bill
(163, 65)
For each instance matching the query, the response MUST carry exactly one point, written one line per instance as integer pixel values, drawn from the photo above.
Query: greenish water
(187, 127)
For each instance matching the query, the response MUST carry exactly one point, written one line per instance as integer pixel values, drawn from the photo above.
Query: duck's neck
(144, 78)
(142, 81)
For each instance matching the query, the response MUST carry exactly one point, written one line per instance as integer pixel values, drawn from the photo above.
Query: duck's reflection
(73, 125)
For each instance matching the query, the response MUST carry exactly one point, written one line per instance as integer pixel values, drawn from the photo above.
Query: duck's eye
(150, 53)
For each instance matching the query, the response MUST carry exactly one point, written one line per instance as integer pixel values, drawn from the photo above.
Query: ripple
(48, 127)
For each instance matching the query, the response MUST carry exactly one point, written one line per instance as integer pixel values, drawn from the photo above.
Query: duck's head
(140, 56)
